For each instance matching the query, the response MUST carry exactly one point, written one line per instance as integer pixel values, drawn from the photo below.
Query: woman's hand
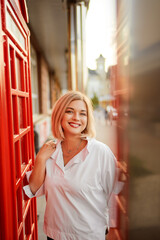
(38, 174)
(46, 151)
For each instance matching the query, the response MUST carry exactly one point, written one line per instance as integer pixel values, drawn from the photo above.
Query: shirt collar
(58, 146)
(90, 142)
(58, 155)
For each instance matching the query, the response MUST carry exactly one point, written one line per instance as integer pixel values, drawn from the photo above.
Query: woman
(77, 174)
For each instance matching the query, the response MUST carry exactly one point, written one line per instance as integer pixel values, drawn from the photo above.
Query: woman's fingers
(51, 144)
(46, 150)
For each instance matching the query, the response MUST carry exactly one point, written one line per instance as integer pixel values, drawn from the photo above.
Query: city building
(99, 83)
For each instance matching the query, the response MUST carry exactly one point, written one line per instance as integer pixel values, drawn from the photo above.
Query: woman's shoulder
(98, 145)
(102, 152)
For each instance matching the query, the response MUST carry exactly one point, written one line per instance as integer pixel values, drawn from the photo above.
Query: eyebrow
(73, 109)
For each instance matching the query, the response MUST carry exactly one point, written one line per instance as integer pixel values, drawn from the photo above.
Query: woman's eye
(83, 114)
(69, 111)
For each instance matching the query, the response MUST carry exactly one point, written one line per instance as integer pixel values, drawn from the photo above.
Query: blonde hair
(59, 109)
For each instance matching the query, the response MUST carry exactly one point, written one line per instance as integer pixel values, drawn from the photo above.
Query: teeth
(74, 125)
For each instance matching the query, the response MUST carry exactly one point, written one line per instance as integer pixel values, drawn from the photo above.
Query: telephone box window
(21, 105)
(18, 73)
(34, 79)
(12, 27)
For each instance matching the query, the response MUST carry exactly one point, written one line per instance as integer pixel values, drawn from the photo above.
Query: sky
(100, 32)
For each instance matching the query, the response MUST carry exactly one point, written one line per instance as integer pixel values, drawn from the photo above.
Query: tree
(95, 101)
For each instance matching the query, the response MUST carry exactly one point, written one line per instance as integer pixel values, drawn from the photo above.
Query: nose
(76, 116)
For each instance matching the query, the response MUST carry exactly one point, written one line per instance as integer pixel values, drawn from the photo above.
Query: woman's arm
(38, 174)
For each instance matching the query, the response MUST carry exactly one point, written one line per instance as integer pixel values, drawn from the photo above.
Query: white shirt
(77, 194)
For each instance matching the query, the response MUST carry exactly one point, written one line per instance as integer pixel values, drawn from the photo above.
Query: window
(34, 79)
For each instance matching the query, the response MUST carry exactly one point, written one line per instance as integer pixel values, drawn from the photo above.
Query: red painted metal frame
(16, 17)
(120, 90)
(18, 215)
(121, 94)
(6, 214)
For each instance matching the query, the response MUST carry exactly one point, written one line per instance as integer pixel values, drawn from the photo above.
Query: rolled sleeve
(118, 186)
(28, 191)
(109, 172)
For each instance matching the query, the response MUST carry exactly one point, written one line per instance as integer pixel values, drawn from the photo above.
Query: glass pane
(27, 223)
(24, 197)
(12, 69)
(24, 151)
(17, 160)
(34, 78)
(14, 115)
(18, 73)
(21, 112)
(28, 111)
(26, 76)
(29, 145)
(21, 235)
(19, 205)
(12, 27)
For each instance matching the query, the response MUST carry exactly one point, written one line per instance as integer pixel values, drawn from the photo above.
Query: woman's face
(74, 120)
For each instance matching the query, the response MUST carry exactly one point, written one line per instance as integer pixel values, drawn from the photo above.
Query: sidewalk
(106, 133)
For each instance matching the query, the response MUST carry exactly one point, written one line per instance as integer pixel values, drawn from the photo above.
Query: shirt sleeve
(118, 184)
(110, 173)
(28, 191)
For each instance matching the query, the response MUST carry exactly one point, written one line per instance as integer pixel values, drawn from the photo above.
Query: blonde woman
(77, 174)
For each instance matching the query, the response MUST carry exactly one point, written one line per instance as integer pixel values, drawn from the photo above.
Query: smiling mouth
(75, 125)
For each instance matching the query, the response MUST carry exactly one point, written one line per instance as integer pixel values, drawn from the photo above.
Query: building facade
(99, 83)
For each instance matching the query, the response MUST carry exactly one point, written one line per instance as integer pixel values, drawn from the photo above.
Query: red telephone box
(18, 214)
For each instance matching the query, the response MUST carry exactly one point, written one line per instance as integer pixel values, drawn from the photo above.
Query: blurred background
(110, 50)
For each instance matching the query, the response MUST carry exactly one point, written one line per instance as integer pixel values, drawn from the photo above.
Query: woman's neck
(72, 142)
(71, 147)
